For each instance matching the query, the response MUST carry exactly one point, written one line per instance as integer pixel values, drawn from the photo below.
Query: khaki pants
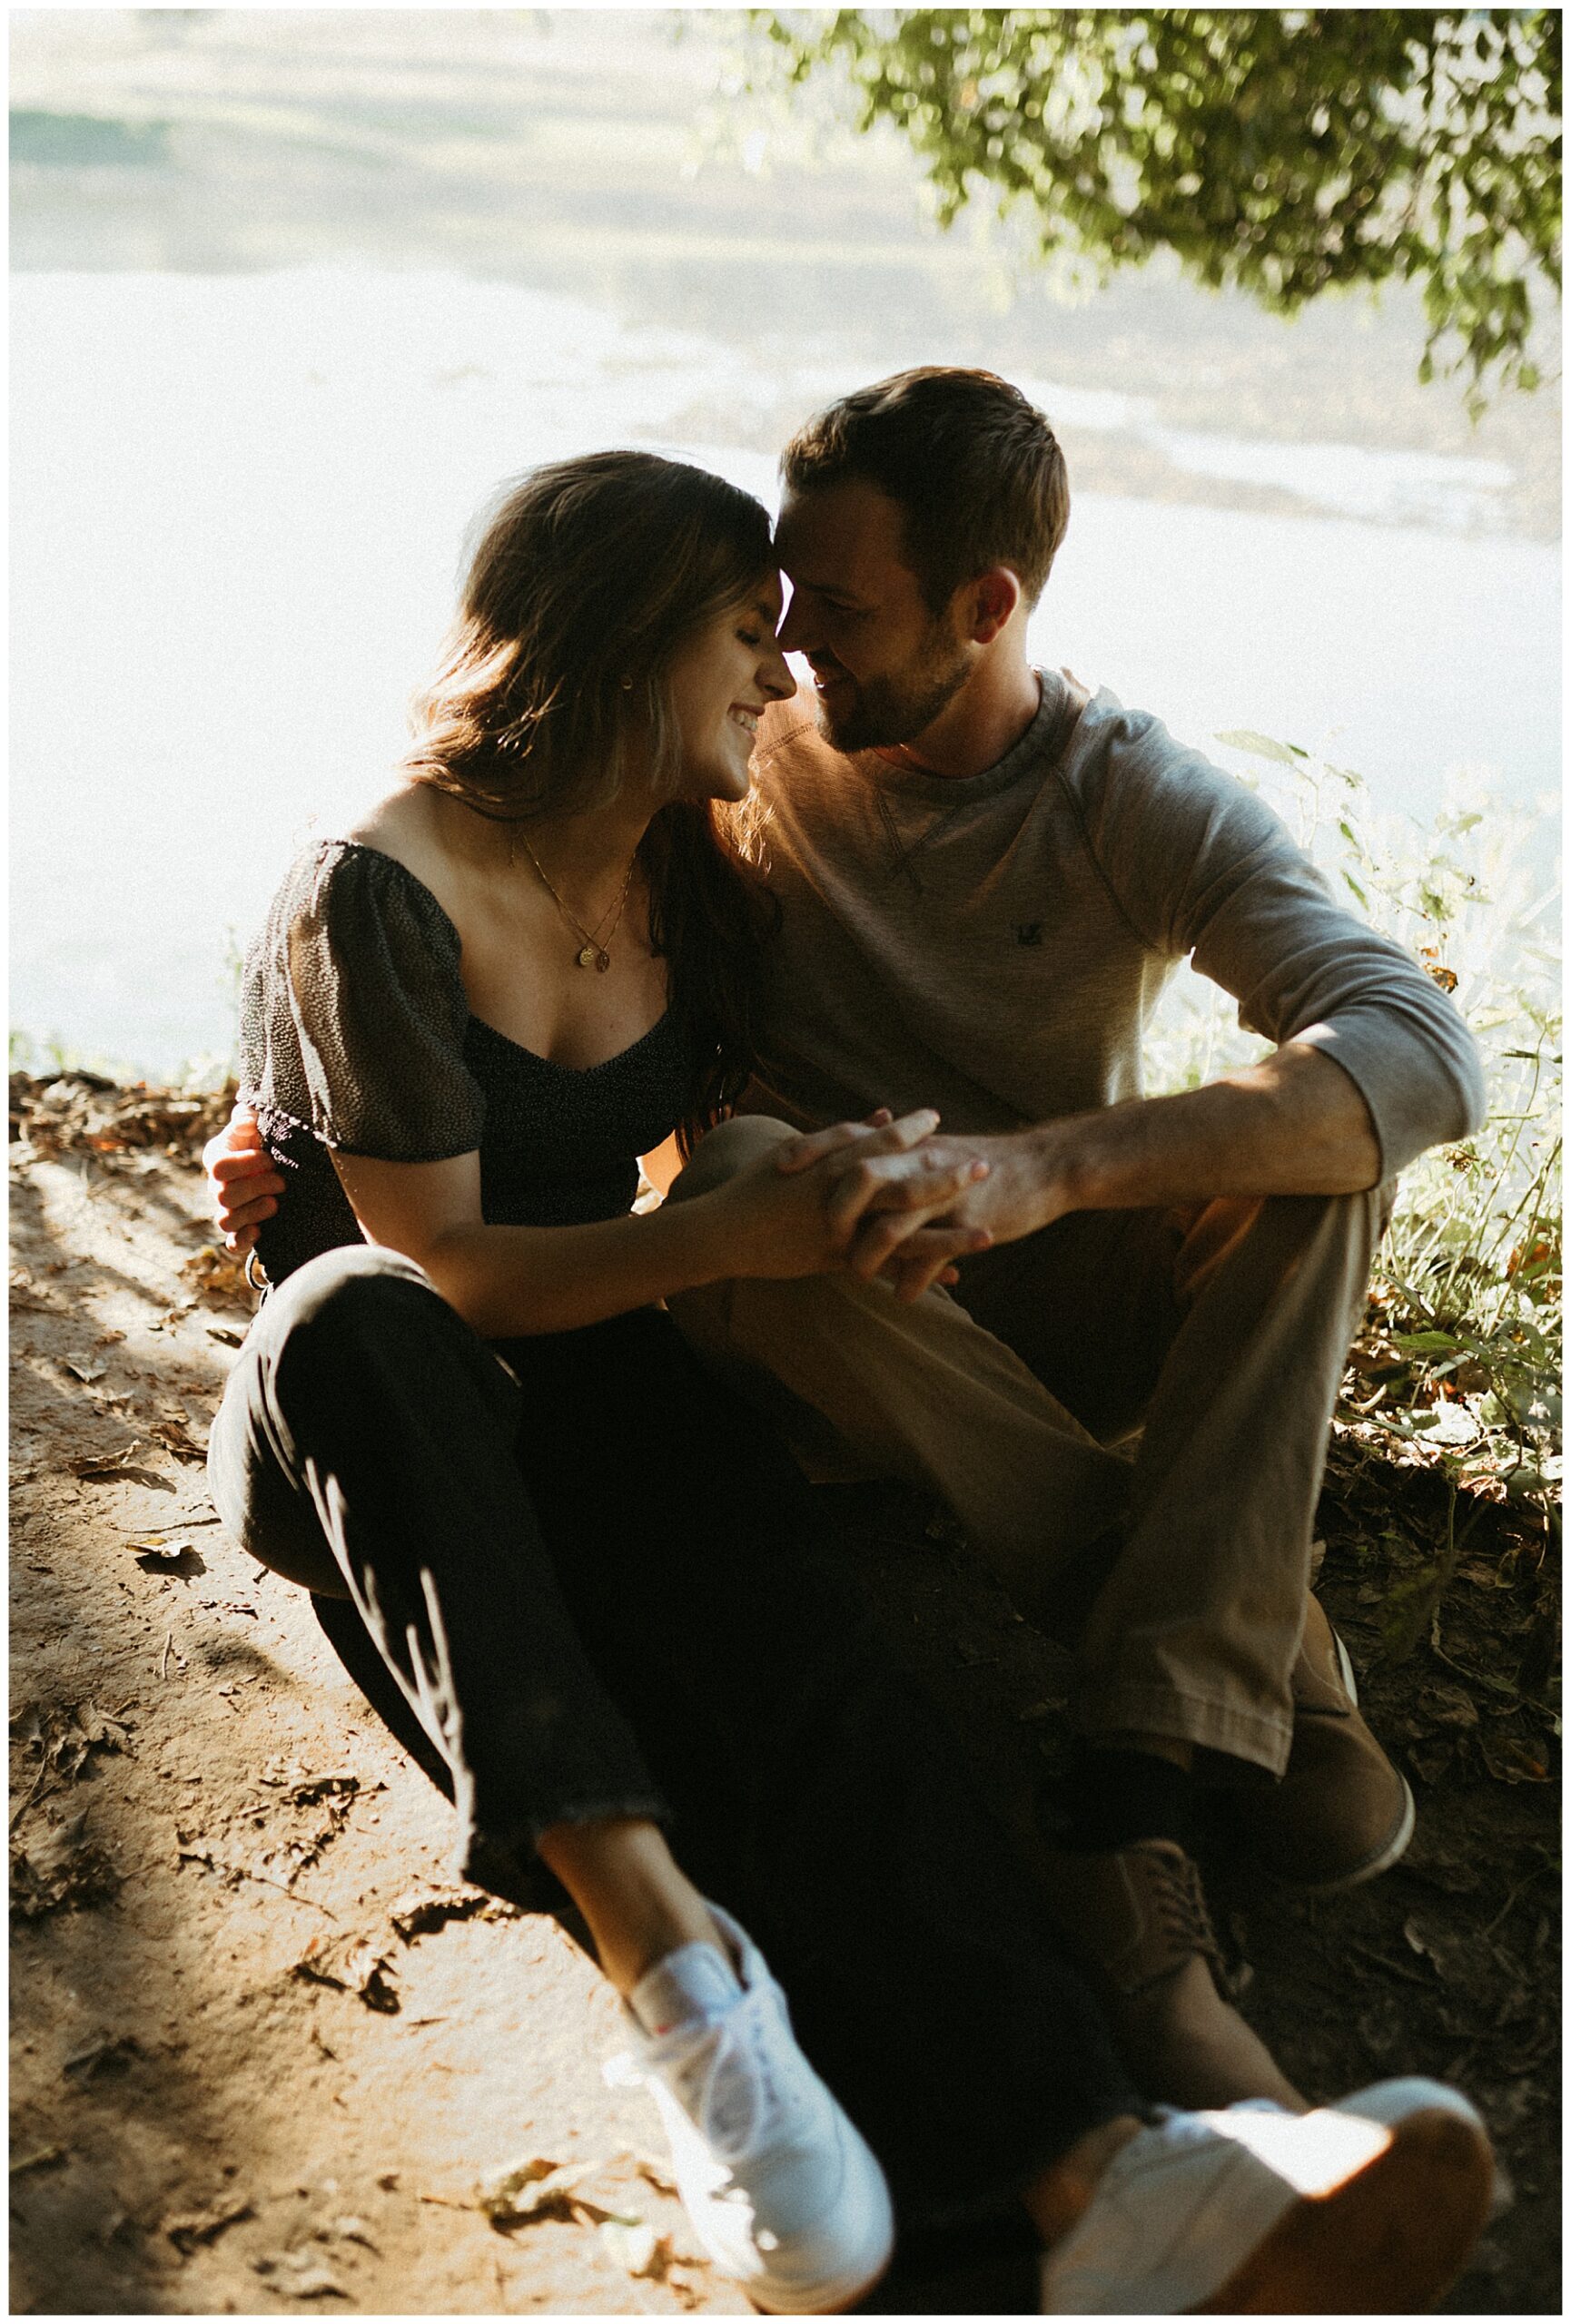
(1219, 1332)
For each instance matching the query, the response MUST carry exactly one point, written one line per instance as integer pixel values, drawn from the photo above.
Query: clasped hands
(912, 1202)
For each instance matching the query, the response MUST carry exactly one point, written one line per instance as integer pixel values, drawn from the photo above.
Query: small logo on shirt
(1028, 931)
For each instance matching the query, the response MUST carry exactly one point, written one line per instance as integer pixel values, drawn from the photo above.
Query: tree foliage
(1286, 150)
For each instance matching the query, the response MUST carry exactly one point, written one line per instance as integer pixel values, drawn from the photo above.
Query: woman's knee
(727, 1150)
(342, 1290)
(361, 1326)
(347, 1301)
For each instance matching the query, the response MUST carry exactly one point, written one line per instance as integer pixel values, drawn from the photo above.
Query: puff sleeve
(355, 1013)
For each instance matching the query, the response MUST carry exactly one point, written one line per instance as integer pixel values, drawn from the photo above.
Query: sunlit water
(238, 504)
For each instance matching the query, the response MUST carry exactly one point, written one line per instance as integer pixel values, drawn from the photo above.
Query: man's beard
(890, 710)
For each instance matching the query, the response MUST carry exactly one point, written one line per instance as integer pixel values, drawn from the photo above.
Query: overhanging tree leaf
(1284, 151)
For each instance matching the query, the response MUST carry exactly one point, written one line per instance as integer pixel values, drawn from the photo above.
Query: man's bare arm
(1294, 1124)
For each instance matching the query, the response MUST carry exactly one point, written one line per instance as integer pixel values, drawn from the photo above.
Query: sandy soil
(267, 2055)
(199, 2124)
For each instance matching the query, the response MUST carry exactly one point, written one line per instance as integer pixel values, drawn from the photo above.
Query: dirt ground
(268, 2056)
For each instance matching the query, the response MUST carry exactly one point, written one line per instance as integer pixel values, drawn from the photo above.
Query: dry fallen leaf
(1510, 1760)
(218, 1279)
(176, 1438)
(182, 1559)
(63, 1740)
(305, 1789)
(103, 1464)
(421, 1910)
(1447, 1706)
(63, 1871)
(28, 1296)
(345, 2230)
(353, 1965)
(192, 2229)
(299, 2277)
(532, 2190)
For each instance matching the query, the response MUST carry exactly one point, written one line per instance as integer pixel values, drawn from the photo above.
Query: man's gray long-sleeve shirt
(994, 946)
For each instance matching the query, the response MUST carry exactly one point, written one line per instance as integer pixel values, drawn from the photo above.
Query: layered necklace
(593, 943)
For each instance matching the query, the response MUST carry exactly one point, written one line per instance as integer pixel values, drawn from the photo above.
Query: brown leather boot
(1136, 1920)
(1341, 1813)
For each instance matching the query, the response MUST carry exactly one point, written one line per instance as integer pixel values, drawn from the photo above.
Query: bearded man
(986, 877)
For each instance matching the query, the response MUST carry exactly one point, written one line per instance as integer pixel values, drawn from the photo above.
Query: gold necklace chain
(593, 952)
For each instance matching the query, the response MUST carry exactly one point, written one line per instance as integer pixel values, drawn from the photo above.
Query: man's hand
(1295, 1124)
(242, 1182)
(1015, 1198)
(1007, 1197)
(798, 1209)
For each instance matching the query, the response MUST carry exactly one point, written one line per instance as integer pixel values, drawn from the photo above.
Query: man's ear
(991, 601)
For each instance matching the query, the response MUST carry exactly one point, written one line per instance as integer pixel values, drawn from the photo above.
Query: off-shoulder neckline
(552, 1064)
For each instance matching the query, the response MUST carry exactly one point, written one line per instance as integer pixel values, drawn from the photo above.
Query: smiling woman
(583, 1606)
(715, 685)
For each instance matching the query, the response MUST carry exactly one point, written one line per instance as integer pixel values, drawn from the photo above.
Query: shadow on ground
(1450, 1963)
(193, 2126)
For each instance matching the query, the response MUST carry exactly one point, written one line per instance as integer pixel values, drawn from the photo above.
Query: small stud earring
(627, 686)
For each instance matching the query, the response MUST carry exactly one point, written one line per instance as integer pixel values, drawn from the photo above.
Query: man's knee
(1335, 1230)
(729, 1148)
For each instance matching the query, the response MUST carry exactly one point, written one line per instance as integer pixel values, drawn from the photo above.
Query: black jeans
(592, 1583)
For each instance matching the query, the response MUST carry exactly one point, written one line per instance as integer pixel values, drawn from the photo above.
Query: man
(985, 879)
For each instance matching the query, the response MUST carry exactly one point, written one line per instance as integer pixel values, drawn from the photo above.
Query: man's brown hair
(974, 467)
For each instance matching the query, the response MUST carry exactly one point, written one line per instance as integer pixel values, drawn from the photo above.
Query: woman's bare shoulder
(400, 824)
(409, 825)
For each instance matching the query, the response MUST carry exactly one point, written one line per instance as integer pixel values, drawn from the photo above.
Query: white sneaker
(784, 2194)
(1370, 2207)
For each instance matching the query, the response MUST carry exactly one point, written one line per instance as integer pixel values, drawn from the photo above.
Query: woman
(531, 1522)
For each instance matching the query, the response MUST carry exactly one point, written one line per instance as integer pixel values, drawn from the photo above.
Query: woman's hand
(243, 1181)
(796, 1210)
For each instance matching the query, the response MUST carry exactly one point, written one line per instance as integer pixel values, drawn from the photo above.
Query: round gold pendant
(589, 958)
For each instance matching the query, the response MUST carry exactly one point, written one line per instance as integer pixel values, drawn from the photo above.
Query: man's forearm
(1294, 1124)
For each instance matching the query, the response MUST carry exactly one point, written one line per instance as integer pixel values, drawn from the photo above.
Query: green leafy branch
(1287, 151)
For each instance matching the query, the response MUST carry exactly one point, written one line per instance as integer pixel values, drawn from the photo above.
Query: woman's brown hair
(586, 580)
